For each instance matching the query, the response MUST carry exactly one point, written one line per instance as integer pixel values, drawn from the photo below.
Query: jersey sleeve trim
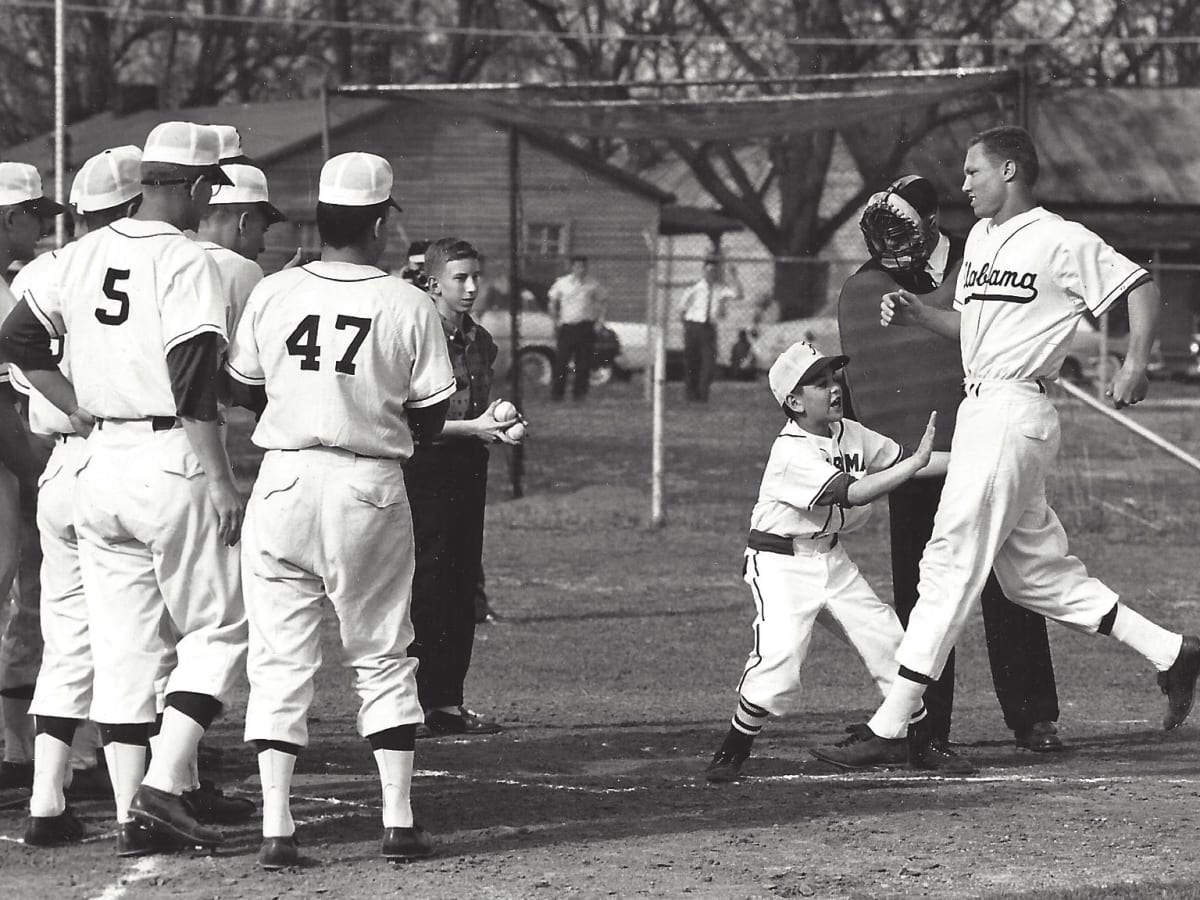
(243, 377)
(827, 486)
(44, 319)
(1132, 281)
(194, 332)
(444, 394)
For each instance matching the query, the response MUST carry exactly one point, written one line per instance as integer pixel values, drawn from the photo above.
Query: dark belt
(777, 543)
(62, 438)
(157, 423)
(356, 455)
(1041, 387)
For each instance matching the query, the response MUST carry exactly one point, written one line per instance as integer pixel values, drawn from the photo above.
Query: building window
(546, 239)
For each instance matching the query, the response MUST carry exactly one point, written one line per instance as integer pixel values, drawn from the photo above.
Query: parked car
(537, 353)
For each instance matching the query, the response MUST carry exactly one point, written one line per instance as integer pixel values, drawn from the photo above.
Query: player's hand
(230, 509)
(82, 421)
(1130, 385)
(900, 308)
(491, 430)
(296, 260)
(924, 449)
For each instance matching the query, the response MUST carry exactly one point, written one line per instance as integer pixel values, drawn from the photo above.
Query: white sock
(18, 730)
(275, 769)
(126, 769)
(395, 774)
(173, 748)
(50, 765)
(1154, 642)
(892, 718)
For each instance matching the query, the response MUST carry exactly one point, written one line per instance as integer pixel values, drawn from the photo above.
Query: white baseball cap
(186, 144)
(249, 186)
(231, 143)
(356, 179)
(799, 362)
(20, 184)
(108, 179)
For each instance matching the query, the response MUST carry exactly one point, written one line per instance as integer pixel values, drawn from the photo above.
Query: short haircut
(345, 226)
(1010, 142)
(578, 257)
(447, 250)
(417, 248)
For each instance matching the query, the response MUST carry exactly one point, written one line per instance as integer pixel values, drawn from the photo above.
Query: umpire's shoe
(166, 814)
(1179, 682)
(405, 844)
(726, 766)
(209, 804)
(1040, 737)
(863, 749)
(279, 852)
(53, 831)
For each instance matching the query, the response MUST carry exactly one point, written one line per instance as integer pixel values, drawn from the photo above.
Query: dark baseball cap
(918, 191)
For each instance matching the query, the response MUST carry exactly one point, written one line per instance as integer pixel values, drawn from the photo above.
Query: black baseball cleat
(1040, 737)
(935, 755)
(404, 844)
(726, 766)
(279, 853)
(863, 749)
(209, 805)
(166, 814)
(464, 722)
(135, 840)
(1179, 682)
(53, 831)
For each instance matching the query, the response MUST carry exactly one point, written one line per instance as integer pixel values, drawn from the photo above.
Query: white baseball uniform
(148, 537)
(239, 276)
(1022, 289)
(798, 571)
(342, 350)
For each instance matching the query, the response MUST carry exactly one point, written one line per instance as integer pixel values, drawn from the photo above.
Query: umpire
(901, 374)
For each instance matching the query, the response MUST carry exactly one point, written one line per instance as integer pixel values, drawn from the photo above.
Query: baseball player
(24, 215)
(820, 479)
(1027, 278)
(353, 363)
(105, 189)
(157, 512)
(901, 373)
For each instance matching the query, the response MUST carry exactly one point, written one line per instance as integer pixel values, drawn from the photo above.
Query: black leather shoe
(166, 814)
(934, 755)
(53, 831)
(1040, 737)
(863, 749)
(208, 804)
(1179, 682)
(134, 840)
(403, 844)
(279, 853)
(726, 766)
(466, 722)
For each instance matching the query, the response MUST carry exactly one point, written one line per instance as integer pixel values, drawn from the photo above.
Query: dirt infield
(613, 670)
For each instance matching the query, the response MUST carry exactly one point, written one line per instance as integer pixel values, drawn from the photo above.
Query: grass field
(613, 670)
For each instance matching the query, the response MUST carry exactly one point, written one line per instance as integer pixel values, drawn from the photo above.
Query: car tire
(537, 365)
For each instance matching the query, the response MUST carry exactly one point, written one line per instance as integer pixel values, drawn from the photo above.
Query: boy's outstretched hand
(925, 449)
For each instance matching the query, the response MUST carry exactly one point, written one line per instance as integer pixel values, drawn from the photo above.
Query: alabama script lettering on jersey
(1025, 284)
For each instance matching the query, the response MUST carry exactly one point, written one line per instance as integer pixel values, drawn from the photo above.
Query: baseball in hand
(516, 432)
(504, 412)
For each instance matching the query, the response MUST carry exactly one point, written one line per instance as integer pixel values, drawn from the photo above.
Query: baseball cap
(918, 191)
(231, 145)
(356, 179)
(21, 184)
(107, 179)
(249, 186)
(186, 144)
(800, 362)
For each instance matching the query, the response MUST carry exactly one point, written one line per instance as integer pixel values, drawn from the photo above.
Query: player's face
(458, 286)
(24, 227)
(252, 230)
(821, 400)
(984, 182)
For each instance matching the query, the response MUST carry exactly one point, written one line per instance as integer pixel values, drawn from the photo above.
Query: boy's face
(456, 288)
(818, 402)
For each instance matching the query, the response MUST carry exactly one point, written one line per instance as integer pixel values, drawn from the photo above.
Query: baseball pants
(1017, 643)
(790, 594)
(325, 523)
(994, 513)
(148, 543)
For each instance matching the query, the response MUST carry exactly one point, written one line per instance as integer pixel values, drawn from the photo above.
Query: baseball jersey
(128, 294)
(8, 300)
(803, 465)
(239, 276)
(1023, 287)
(343, 350)
(44, 417)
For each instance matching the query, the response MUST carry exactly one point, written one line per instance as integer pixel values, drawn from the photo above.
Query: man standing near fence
(702, 306)
(576, 304)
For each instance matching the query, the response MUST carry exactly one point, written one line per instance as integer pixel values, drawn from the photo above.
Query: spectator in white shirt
(701, 307)
(577, 303)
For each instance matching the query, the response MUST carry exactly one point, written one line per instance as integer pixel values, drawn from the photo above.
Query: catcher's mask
(895, 231)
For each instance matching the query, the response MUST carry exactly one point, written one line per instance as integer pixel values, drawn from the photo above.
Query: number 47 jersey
(342, 350)
(128, 294)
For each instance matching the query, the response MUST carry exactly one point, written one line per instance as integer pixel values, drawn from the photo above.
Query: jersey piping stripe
(1138, 278)
(309, 271)
(817, 496)
(760, 619)
(243, 377)
(433, 399)
(198, 330)
(47, 323)
(138, 237)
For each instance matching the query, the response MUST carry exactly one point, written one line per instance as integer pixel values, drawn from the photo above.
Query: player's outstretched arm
(1131, 384)
(875, 485)
(903, 307)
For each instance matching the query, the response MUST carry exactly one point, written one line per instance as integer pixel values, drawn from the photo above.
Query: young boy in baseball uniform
(157, 512)
(1026, 280)
(823, 473)
(447, 488)
(353, 365)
